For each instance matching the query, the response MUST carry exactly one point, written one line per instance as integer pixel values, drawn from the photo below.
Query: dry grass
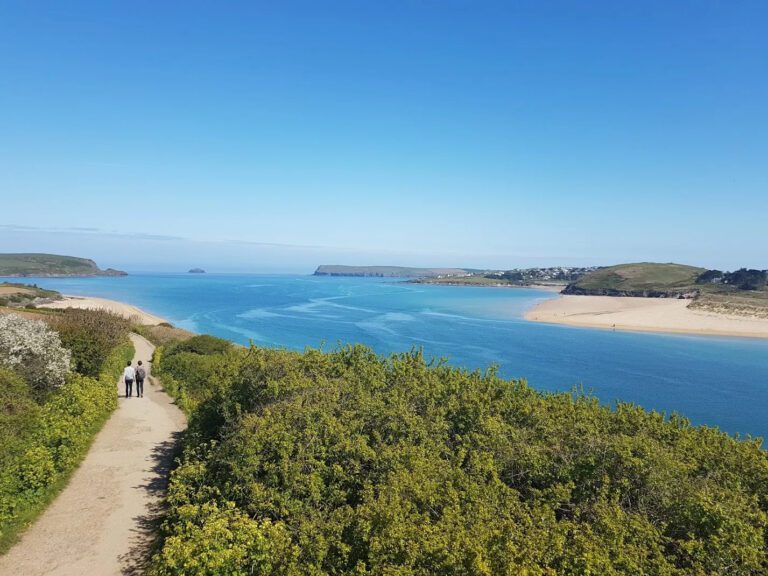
(745, 303)
(163, 334)
(8, 290)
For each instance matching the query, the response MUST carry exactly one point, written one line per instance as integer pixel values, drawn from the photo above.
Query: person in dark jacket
(141, 373)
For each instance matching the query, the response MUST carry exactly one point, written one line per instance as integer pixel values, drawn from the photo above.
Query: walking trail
(103, 521)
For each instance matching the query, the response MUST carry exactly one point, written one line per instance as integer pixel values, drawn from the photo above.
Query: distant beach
(644, 315)
(120, 308)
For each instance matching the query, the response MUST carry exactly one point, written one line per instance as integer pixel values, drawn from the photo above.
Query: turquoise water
(716, 381)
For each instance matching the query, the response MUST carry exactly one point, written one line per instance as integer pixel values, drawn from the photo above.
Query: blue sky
(277, 136)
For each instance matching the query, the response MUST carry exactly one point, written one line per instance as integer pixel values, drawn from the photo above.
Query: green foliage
(40, 445)
(202, 345)
(349, 463)
(188, 366)
(18, 414)
(90, 335)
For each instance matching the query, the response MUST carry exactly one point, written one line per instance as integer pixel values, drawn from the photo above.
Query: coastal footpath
(103, 522)
(645, 315)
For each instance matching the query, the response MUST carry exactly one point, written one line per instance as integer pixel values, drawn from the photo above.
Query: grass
(641, 276)
(737, 302)
(162, 334)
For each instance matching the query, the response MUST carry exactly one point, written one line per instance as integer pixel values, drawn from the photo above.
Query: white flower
(33, 350)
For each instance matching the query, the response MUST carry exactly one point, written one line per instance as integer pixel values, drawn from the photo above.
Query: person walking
(129, 374)
(140, 375)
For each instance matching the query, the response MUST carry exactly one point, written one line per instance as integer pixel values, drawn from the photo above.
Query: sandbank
(644, 315)
(122, 309)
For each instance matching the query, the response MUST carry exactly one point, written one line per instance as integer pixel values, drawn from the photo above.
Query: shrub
(49, 440)
(18, 414)
(90, 335)
(357, 464)
(33, 350)
(202, 344)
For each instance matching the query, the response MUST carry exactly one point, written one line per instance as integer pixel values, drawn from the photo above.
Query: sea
(716, 381)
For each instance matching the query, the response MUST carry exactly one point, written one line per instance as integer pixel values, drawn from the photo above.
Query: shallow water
(711, 380)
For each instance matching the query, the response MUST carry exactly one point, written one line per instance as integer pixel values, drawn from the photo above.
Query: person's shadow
(146, 533)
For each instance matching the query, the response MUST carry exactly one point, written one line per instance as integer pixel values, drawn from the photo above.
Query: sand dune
(92, 303)
(644, 314)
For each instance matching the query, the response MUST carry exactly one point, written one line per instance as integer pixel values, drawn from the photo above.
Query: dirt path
(103, 520)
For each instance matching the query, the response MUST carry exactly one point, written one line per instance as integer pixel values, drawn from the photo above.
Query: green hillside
(641, 279)
(51, 265)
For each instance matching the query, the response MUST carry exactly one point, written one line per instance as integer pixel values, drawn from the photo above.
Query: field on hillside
(50, 265)
(14, 295)
(641, 277)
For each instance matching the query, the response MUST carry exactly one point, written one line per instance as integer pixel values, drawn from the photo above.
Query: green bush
(189, 368)
(349, 463)
(90, 335)
(18, 414)
(50, 439)
(202, 344)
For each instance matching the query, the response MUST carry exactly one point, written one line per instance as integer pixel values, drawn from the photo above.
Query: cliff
(51, 265)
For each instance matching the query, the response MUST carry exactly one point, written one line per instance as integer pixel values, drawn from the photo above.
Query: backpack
(140, 373)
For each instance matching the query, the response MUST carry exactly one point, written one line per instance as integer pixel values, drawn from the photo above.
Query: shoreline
(123, 309)
(656, 315)
(545, 287)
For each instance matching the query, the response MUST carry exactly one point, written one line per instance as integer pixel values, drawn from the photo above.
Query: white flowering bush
(34, 351)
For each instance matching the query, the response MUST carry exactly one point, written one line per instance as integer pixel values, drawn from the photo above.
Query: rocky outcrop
(573, 289)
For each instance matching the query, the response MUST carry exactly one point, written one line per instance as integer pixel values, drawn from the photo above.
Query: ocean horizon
(717, 381)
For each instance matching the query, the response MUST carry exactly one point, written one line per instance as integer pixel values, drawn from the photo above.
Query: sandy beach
(93, 303)
(644, 315)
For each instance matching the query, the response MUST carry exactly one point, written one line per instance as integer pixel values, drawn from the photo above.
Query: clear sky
(277, 136)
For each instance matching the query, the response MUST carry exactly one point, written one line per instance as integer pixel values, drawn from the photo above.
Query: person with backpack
(140, 375)
(129, 374)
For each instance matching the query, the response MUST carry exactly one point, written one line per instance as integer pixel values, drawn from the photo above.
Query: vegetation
(162, 333)
(742, 279)
(43, 436)
(34, 351)
(51, 265)
(644, 279)
(350, 463)
(742, 292)
(16, 295)
(90, 335)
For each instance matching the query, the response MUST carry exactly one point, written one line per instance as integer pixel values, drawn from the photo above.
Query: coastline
(659, 315)
(547, 287)
(120, 308)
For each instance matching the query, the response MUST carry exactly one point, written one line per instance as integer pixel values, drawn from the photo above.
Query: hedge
(54, 438)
